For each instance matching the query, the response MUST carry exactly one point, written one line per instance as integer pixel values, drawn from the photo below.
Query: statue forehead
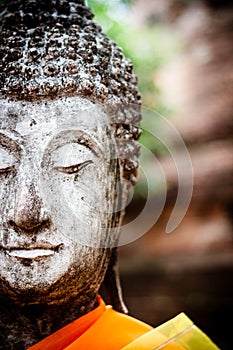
(67, 113)
(69, 104)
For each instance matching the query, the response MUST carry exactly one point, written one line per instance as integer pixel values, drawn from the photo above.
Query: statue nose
(29, 213)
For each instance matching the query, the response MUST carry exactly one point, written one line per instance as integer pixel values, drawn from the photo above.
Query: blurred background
(182, 53)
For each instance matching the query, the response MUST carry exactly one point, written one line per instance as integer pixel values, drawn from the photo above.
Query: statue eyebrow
(10, 145)
(76, 136)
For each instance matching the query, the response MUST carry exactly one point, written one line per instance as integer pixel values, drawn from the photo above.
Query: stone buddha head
(70, 111)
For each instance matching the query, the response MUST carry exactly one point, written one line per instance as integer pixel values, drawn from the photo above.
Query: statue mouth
(32, 252)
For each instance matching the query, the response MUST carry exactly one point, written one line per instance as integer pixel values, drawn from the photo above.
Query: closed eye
(7, 159)
(7, 169)
(73, 169)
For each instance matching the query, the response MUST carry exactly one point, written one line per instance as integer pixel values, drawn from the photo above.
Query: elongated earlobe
(112, 285)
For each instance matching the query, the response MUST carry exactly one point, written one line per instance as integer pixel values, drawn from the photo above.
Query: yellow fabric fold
(178, 333)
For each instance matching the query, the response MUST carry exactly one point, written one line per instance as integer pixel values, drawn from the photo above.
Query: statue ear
(112, 285)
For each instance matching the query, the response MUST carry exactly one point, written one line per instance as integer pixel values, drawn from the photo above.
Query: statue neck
(23, 326)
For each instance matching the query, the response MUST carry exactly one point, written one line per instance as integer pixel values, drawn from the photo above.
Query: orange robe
(87, 331)
(105, 329)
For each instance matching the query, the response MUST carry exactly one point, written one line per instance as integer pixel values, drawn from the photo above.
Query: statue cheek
(8, 187)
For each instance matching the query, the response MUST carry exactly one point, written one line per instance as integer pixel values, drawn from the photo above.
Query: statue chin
(41, 281)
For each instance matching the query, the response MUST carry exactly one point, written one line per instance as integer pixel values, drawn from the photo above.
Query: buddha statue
(70, 111)
(69, 129)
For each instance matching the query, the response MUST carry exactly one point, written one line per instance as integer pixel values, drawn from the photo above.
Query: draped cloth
(106, 329)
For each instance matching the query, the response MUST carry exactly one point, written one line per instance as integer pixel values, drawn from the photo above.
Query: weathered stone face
(69, 126)
(58, 187)
(52, 49)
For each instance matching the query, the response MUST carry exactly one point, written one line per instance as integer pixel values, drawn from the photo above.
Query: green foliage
(149, 47)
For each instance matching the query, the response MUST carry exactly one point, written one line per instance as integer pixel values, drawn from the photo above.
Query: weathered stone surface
(58, 222)
(53, 49)
(69, 120)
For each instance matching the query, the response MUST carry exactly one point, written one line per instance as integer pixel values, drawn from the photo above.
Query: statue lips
(32, 252)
